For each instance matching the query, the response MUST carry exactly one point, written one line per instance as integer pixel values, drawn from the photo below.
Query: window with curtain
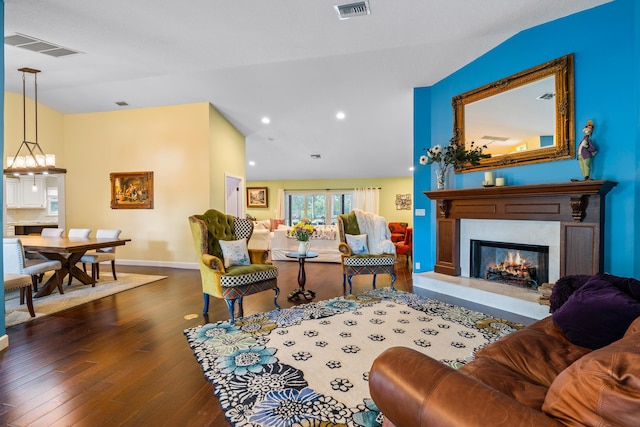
(321, 207)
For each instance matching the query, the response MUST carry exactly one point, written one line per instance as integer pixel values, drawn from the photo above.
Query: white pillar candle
(489, 178)
(499, 182)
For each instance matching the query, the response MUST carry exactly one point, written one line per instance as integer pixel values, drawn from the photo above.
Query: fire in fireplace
(516, 264)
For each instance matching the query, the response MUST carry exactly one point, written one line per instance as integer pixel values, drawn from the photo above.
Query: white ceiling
(293, 61)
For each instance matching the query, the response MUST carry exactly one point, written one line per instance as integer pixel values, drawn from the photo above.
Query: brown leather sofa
(533, 377)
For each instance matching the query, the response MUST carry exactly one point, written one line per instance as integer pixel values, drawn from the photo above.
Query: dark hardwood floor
(123, 360)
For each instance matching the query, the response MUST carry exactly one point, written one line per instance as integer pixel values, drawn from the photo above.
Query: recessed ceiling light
(340, 115)
(252, 163)
(266, 120)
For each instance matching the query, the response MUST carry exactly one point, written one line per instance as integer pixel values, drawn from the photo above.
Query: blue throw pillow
(597, 314)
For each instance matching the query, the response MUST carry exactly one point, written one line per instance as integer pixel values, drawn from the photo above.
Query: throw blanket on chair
(378, 234)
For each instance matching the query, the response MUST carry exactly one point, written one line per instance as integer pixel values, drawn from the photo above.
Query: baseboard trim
(4, 342)
(149, 263)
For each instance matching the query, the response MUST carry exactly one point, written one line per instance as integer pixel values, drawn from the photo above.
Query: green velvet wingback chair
(235, 282)
(364, 263)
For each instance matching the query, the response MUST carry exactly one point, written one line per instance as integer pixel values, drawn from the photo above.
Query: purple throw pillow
(597, 314)
(564, 287)
(626, 284)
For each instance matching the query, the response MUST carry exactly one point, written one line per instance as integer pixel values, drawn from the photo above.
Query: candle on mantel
(499, 182)
(489, 178)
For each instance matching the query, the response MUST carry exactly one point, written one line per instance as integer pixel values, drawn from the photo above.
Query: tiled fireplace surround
(567, 217)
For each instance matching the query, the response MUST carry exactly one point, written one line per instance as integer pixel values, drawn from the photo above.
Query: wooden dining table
(68, 251)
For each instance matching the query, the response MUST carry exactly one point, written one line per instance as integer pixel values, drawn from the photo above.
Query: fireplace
(516, 264)
(578, 207)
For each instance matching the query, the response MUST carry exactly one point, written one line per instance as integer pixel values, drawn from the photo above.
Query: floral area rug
(309, 365)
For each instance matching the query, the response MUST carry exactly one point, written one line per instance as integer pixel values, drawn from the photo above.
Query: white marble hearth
(513, 299)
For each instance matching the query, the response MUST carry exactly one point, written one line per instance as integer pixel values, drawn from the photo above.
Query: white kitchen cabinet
(11, 192)
(20, 194)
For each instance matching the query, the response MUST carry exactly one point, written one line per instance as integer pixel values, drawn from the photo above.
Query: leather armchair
(430, 393)
(234, 282)
(532, 377)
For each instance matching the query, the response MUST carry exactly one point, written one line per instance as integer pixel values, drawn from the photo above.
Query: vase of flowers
(303, 231)
(442, 177)
(452, 156)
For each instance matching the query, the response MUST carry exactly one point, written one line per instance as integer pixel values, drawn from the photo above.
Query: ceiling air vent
(351, 10)
(36, 45)
(546, 96)
(315, 156)
(495, 138)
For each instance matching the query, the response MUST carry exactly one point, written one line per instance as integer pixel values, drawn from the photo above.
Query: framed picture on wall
(257, 197)
(131, 190)
(403, 201)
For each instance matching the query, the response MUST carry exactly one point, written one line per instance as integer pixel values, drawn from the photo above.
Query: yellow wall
(170, 141)
(50, 127)
(189, 148)
(389, 188)
(227, 156)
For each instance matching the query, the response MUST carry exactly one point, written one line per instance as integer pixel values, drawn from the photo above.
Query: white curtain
(280, 205)
(367, 199)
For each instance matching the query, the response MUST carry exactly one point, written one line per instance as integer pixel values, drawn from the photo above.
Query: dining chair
(101, 255)
(15, 262)
(78, 233)
(46, 232)
(23, 283)
(52, 232)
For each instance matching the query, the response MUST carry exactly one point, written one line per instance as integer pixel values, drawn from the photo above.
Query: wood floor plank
(123, 360)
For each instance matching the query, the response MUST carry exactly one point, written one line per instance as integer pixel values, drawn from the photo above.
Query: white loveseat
(324, 242)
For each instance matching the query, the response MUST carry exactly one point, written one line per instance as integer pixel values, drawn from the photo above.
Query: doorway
(234, 192)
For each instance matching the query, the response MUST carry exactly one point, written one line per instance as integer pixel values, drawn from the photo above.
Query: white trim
(149, 263)
(4, 342)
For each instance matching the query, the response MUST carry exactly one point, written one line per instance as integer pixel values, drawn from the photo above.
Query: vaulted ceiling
(292, 61)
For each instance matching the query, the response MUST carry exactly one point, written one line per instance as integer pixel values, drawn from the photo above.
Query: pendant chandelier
(30, 159)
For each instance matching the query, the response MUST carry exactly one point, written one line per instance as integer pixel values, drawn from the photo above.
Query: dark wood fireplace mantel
(578, 206)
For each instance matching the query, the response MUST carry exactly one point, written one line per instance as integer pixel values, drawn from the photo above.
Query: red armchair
(398, 231)
(405, 247)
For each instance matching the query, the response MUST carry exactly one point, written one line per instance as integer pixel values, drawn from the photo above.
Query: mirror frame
(562, 69)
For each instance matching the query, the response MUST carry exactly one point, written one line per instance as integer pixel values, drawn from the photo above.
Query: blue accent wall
(605, 43)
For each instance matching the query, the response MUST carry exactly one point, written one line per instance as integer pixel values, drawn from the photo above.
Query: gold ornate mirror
(524, 118)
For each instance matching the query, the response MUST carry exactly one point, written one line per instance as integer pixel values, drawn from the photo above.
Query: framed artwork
(131, 190)
(403, 201)
(257, 197)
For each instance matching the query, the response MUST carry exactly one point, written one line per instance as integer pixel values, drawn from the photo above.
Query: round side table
(302, 277)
